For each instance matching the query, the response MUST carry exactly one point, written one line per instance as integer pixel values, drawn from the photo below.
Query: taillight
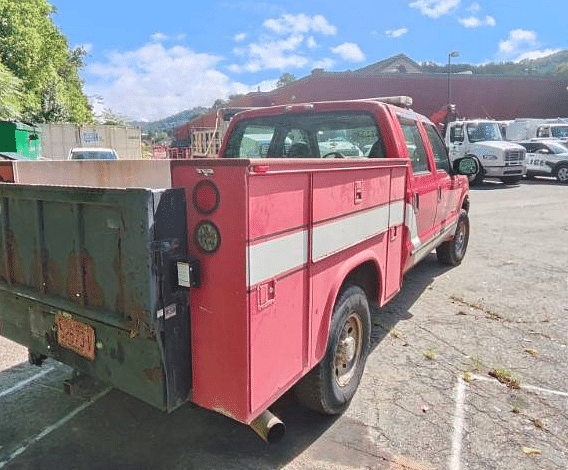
(207, 236)
(206, 197)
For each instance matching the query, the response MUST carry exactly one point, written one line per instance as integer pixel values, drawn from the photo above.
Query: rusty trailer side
(88, 277)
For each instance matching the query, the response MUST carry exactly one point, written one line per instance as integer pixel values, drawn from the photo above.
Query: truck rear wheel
(453, 251)
(329, 387)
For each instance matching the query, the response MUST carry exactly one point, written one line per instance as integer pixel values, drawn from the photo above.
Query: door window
(439, 149)
(415, 146)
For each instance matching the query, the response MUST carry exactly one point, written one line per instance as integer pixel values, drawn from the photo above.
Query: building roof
(400, 63)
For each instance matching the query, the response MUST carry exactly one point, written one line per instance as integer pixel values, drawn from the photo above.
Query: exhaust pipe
(269, 427)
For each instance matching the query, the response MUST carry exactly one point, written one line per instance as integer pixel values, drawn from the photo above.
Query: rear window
(310, 135)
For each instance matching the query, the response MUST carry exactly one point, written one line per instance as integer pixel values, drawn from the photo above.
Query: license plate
(76, 336)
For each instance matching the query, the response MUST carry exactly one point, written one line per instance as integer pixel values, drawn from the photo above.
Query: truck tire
(477, 179)
(511, 179)
(562, 173)
(453, 251)
(329, 387)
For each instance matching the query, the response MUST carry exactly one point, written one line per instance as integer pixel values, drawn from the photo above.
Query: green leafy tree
(10, 94)
(34, 50)
(285, 79)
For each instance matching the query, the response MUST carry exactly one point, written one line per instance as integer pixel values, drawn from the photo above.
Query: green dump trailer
(19, 141)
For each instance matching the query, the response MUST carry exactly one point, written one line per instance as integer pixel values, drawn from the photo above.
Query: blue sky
(148, 60)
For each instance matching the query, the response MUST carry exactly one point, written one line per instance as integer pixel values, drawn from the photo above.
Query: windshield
(480, 131)
(559, 131)
(558, 148)
(93, 155)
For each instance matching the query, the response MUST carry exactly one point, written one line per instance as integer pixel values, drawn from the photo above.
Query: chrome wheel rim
(459, 239)
(348, 350)
(563, 174)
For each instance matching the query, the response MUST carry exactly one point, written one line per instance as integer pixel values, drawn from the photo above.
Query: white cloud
(181, 36)
(435, 8)
(311, 43)
(519, 41)
(158, 37)
(301, 23)
(536, 54)
(349, 51)
(271, 54)
(152, 82)
(396, 33)
(239, 37)
(474, 8)
(475, 22)
(325, 64)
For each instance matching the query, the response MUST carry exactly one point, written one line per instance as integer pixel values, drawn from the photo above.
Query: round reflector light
(207, 236)
(206, 197)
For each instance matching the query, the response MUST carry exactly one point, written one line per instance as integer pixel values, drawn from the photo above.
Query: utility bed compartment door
(81, 265)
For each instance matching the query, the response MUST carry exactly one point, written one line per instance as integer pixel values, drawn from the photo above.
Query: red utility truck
(228, 281)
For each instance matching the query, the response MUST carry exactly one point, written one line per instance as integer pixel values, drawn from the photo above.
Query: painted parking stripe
(25, 382)
(459, 413)
(53, 427)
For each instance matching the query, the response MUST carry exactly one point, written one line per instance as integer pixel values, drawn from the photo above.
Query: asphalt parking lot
(467, 371)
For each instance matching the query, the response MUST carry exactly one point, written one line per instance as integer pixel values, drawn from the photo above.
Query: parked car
(547, 158)
(92, 153)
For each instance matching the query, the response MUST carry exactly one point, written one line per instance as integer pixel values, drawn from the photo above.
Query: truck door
(456, 140)
(445, 196)
(423, 189)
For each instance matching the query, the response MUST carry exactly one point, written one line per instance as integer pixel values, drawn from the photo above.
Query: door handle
(439, 193)
(416, 202)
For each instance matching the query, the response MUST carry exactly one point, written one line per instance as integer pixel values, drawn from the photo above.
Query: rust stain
(82, 280)
(46, 276)
(153, 375)
(11, 268)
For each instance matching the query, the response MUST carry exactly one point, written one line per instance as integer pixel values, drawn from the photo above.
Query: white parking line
(459, 415)
(23, 383)
(53, 427)
(458, 425)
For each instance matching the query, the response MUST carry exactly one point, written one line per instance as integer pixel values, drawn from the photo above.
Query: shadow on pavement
(118, 432)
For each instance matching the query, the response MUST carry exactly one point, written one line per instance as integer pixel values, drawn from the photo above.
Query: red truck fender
(362, 269)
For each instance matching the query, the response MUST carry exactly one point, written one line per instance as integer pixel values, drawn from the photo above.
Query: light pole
(450, 55)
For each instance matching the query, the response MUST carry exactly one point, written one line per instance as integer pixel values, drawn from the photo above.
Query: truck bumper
(501, 171)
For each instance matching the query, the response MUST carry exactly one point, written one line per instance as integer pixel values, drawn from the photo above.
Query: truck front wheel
(562, 173)
(329, 387)
(453, 251)
(477, 178)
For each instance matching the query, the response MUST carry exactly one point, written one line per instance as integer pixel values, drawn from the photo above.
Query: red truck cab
(298, 238)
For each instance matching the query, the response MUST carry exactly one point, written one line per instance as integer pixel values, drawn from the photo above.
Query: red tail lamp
(206, 197)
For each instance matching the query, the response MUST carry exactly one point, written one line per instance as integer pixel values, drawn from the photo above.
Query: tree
(285, 79)
(10, 94)
(34, 51)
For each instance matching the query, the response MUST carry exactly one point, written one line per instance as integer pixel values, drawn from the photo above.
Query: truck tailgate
(88, 277)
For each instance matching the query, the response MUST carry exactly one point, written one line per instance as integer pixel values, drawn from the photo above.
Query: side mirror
(542, 152)
(466, 166)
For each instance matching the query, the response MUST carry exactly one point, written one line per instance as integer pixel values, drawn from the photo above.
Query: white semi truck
(482, 139)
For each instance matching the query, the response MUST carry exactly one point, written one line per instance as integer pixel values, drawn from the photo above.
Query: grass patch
(430, 354)
(505, 377)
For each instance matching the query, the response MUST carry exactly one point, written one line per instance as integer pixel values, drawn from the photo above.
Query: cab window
(414, 145)
(438, 148)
